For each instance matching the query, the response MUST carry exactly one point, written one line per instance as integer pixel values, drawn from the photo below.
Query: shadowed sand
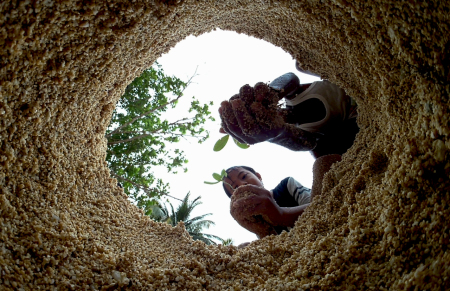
(381, 223)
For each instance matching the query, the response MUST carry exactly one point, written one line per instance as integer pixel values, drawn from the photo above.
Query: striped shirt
(290, 193)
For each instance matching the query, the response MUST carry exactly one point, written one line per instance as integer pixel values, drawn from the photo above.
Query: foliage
(138, 135)
(158, 213)
(217, 177)
(227, 242)
(221, 143)
(194, 226)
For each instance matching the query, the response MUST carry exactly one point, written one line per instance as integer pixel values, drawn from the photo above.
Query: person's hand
(253, 115)
(256, 211)
(261, 203)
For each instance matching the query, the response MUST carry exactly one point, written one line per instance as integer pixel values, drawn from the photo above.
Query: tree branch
(154, 109)
(156, 130)
(142, 115)
(143, 135)
(130, 139)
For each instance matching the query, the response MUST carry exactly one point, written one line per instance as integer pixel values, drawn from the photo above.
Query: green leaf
(210, 183)
(241, 145)
(217, 177)
(220, 144)
(223, 173)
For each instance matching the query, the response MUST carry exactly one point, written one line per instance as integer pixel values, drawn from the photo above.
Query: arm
(295, 139)
(321, 166)
(289, 215)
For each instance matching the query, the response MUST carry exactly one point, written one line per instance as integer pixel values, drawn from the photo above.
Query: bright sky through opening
(225, 61)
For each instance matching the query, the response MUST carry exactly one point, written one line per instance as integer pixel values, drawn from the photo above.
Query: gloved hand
(253, 116)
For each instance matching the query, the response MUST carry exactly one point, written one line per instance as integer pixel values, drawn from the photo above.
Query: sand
(382, 221)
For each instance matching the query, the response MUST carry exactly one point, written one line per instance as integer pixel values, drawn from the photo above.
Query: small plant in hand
(219, 178)
(220, 144)
(256, 115)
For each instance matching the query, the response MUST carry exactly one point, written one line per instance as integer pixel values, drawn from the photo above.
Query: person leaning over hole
(271, 211)
(319, 117)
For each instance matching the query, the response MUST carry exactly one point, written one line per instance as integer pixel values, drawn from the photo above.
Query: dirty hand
(257, 212)
(252, 116)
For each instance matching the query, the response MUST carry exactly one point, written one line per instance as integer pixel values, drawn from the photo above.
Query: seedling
(220, 144)
(219, 178)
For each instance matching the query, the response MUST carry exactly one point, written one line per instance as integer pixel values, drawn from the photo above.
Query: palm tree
(194, 226)
(228, 242)
(158, 213)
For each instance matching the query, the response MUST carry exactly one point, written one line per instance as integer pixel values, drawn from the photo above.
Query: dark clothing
(290, 193)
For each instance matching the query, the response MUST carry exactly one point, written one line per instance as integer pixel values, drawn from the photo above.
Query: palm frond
(198, 218)
(194, 226)
(206, 238)
(199, 225)
(158, 213)
(173, 216)
(227, 242)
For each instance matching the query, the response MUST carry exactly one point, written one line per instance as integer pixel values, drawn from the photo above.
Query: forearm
(295, 139)
(321, 166)
(289, 215)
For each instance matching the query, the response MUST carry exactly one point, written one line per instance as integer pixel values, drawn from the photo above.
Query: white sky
(226, 61)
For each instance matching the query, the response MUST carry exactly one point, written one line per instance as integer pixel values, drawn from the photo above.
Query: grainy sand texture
(382, 221)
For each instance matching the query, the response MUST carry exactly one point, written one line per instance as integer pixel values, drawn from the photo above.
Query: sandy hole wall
(383, 223)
